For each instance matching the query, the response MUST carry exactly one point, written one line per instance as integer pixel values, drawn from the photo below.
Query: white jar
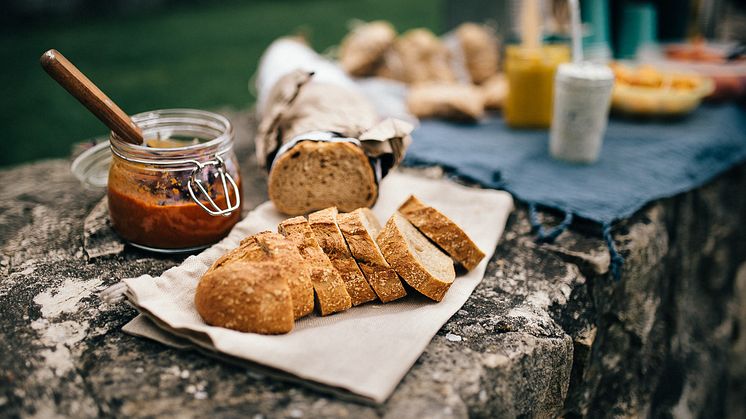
(582, 94)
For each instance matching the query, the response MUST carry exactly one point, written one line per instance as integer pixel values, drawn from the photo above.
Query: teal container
(597, 40)
(638, 27)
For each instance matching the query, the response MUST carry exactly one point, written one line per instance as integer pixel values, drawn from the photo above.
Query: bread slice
(422, 265)
(325, 228)
(246, 296)
(443, 232)
(272, 247)
(328, 284)
(359, 229)
(315, 175)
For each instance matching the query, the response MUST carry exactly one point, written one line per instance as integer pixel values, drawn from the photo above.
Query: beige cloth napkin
(366, 350)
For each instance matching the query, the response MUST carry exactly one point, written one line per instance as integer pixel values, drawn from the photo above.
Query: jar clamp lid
(92, 166)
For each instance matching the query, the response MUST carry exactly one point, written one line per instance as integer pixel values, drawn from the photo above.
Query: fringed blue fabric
(548, 236)
(639, 163)
(543, 235)
(617, 261)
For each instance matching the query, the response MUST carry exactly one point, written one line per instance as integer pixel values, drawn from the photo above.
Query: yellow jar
(530, 74)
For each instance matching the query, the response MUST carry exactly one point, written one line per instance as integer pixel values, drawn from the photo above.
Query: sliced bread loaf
(359, 229)
(315, 175)
(327, 282)
(272, 247)
(422, 265)
(246, 296)
(443, 232)
(325, 228)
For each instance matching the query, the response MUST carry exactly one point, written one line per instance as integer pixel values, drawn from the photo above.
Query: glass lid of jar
(91, 167)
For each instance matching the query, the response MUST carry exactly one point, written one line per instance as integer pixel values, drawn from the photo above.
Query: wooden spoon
(78, 85)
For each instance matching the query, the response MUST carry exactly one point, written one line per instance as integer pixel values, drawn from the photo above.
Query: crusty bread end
(443, 232)
(272, 247)
(422, 265)
(246, 296)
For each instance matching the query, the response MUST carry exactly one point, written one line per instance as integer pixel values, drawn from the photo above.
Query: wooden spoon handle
(75, 82)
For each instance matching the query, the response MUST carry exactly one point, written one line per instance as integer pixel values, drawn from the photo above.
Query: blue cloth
(641, 161)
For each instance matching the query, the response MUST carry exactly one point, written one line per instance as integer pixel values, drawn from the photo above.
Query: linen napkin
(366, 350)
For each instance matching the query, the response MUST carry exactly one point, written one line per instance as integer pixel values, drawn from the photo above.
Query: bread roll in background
(460, 102)
(361, 51)
(479, 49)
(494, 90)
(424, 57)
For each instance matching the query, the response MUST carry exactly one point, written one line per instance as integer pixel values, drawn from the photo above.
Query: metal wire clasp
(194, 179)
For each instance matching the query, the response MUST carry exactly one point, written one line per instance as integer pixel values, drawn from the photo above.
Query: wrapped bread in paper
(474, 52)
(322, 141)
(461, 102)
(418, 56)
(362, 50)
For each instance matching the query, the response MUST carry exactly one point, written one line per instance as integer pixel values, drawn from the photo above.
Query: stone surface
(546, 333)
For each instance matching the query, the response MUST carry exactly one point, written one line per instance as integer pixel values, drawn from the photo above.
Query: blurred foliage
(195, 56)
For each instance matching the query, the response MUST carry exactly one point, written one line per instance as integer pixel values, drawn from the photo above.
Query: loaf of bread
(272, 247)
(424, 57)
(344, 259)
(363, 48)
(494, 90)
(246, 296)
(325, 228)
(460, 102)
(443, 232)
(327, 283)
(480, 50)
(422, 265)
(359, 228)
(316, 175)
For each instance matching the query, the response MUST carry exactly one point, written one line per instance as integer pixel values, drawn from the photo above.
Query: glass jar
(179, 192)
(530, 74)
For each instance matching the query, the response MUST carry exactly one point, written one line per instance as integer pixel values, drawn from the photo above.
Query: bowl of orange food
(647, 91)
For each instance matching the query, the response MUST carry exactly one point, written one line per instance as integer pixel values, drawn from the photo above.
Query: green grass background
(199, 56)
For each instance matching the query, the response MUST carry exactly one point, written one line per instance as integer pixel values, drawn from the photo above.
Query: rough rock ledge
(547, 333)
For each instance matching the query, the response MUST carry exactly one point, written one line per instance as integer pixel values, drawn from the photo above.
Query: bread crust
(398, 249)
(458, 102)
(363, 48)
(379, 274)
(246, 296)
(272, 247)
(443, 232)
(480, 49)
(327, 283)
(315, 175)
(325, 228)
